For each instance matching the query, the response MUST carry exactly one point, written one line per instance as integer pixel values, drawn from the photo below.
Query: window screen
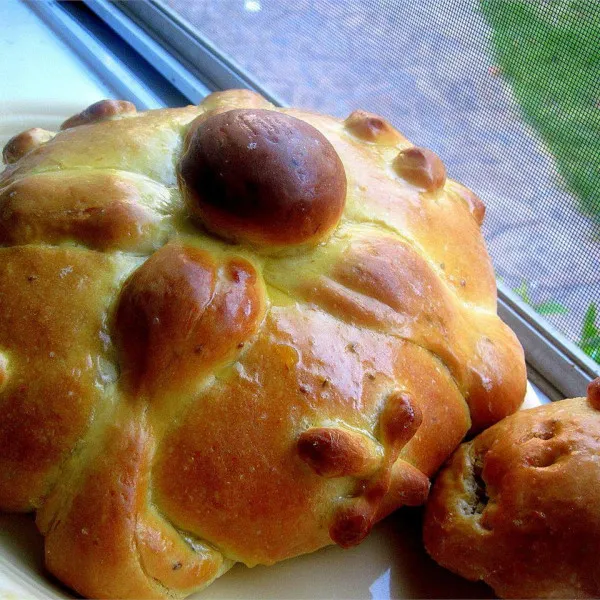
(507, 92)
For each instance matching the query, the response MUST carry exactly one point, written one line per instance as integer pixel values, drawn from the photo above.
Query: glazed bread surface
(517, 506)
(233, 332)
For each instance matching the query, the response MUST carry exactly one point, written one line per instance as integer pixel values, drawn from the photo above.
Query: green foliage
(550, 53)
(549, 307)
(589, 341)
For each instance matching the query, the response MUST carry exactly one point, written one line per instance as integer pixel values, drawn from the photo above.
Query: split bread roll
(518, 506)
(233, 332)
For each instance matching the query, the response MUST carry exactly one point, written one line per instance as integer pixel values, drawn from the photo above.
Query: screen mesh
(507, 92)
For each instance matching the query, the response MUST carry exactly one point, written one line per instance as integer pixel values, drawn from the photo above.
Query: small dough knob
(372, 128)
(593, 393)
(100, 111)
(336, 452)
(25, 142)
(400, 419)
(422, 168)
(352, 524)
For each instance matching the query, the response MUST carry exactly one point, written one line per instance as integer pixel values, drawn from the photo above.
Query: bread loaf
(233, 332)
(517, 506)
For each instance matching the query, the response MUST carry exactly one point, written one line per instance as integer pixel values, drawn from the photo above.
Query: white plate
(391, 563)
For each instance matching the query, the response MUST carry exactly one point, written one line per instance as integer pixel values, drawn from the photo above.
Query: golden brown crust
(22, 143)
(101, 210)
(517, 506)
(164, 392)
(475, 204)
(372, 128)
(352, 524)
(52, 389)
(337, 452)
(385, 284)
(408, 487)
(104, 536)
(593, 393)
(422, 168)
(138, 144)
(100, 111)
(200, 493)
(178, 564)
(180, 315)
(230, 99)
